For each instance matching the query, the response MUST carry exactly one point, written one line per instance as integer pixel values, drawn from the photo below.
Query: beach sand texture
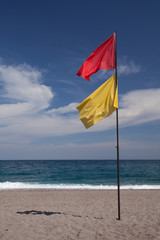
(79, 214)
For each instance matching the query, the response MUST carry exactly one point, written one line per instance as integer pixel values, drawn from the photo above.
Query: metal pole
(118, 178)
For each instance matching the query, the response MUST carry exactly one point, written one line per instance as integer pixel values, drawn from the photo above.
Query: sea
(79, 174)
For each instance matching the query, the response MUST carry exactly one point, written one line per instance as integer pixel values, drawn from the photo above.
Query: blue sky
(42, 46)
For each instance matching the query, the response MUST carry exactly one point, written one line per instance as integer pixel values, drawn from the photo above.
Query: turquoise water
(79, 174)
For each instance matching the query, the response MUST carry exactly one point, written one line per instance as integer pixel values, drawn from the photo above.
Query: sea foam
(21, 185)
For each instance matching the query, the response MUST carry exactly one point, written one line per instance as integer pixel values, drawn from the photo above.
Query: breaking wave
(21, 185)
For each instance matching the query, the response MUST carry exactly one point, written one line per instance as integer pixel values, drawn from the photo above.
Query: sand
(79, 214)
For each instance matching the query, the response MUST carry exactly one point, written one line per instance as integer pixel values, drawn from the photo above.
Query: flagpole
(118, 178)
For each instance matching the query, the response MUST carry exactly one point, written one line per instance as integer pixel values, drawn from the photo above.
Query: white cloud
(28, 119)
(128, 68)
(21, 84)
(140, 106)
(66, 109)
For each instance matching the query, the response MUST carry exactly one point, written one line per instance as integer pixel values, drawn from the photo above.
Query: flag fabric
(102, 58)
(100, 104)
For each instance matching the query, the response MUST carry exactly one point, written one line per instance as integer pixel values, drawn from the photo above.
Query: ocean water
(79, 174)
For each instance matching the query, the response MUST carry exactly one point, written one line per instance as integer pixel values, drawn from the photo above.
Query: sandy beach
(79, 214)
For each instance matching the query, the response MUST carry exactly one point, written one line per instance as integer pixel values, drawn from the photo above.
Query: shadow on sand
(34, 212)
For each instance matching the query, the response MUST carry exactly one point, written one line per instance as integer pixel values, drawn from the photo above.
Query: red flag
(102, 58)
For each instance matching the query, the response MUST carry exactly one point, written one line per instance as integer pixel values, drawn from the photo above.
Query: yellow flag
(100, 104)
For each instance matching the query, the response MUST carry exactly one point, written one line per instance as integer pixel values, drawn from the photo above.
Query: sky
(42, 46)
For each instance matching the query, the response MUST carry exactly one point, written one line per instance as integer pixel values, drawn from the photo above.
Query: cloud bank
(24, 114)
